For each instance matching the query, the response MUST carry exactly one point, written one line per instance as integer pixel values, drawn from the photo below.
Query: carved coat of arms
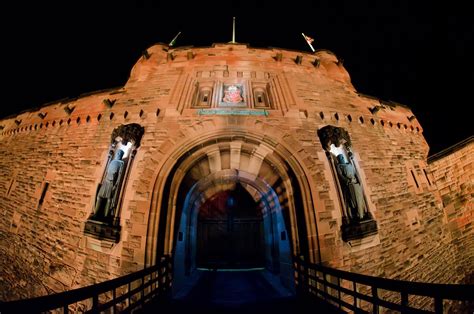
(232, 94)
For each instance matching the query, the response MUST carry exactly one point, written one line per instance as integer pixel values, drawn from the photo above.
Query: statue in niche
(351, 189)
(107, 195)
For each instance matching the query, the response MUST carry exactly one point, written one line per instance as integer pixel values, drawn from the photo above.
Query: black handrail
(152, 282)
(313, 279)
(144, 285)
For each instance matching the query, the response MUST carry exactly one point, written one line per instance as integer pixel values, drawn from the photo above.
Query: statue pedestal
(358, 230)
(102, 230)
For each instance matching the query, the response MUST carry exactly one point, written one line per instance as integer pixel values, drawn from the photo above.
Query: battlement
(283, 82)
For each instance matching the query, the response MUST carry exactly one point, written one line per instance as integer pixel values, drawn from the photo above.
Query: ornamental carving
(334, 135)
(129, 133)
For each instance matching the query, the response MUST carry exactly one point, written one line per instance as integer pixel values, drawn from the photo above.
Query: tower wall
(453, 173)
(43, 248)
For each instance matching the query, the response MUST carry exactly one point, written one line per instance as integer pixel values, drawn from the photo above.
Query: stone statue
(351, 189)
(110, 185)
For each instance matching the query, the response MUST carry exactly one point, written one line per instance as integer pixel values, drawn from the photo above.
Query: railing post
(404, 302)
(438, 305)
(160, 278)
(302, 276)
(325, 285)
(354, 288)
(306, 278)
(95, 303)
(169, 274)
(375, 297)
(156, 283)
(66, 309)
(114, 296)
(142, 290)
(339, 291)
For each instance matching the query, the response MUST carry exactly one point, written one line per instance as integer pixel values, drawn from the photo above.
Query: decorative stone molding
(333, 135)
(103, 231)
(129, 132)
(358, 230)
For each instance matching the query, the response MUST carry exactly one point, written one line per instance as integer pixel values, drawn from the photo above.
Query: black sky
(395, 50)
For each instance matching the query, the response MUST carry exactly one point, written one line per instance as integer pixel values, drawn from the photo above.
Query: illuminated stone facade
(453, 173)
(213, 119)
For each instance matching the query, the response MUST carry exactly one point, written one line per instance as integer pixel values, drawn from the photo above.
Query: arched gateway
(231, 200)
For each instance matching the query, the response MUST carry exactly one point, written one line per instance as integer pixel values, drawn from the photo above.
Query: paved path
(237, 292)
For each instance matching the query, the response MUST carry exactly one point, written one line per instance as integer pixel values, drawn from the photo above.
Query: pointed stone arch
(256, 155)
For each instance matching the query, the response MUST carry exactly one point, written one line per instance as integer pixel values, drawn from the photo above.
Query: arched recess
(261, 163)
(261, 242)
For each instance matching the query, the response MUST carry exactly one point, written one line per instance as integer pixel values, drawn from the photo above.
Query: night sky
(395, 50)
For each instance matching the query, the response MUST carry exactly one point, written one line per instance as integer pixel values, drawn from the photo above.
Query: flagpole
(233, 31)
(174, 40)
(307, 41)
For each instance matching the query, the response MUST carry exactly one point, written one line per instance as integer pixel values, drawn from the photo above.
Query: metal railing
(120, 295)
(364, 294)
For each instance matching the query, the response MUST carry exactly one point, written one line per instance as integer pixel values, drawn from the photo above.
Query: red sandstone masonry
(69, 151)
(453, 173)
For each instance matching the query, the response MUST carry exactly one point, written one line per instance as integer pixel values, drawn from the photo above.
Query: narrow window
(43, 194)
(203, 96)
(413, 175)
(260, 92)
(10, 187)
(426, 175)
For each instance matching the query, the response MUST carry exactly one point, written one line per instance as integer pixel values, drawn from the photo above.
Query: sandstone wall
(453, 173)
(68, 150)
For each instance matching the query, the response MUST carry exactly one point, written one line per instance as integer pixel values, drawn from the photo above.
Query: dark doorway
(230, 231)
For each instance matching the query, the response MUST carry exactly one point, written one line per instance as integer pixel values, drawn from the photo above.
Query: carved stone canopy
(333, 135)
(129, 132)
